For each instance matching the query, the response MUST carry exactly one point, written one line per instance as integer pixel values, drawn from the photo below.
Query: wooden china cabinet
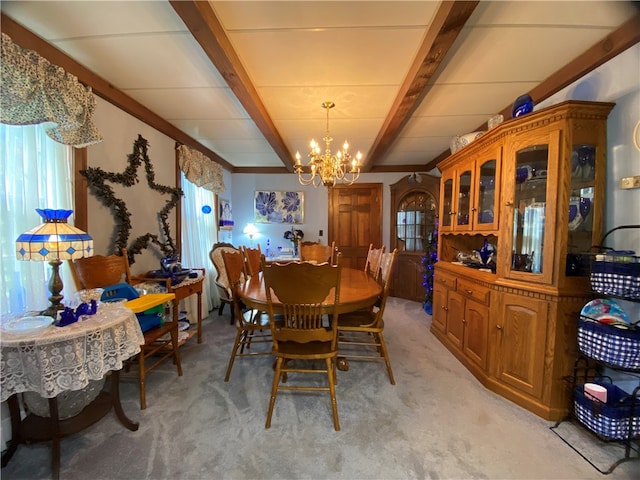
(414, 207)
(533, 188)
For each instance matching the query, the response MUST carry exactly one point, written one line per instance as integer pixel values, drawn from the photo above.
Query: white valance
(35, 91)
(200, 169)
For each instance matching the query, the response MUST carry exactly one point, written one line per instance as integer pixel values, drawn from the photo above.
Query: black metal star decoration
(97, 178)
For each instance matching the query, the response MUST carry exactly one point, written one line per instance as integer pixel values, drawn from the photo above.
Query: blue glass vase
(522, 106)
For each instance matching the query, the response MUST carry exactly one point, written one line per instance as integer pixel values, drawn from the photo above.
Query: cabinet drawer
(446, 280)
(473, 290)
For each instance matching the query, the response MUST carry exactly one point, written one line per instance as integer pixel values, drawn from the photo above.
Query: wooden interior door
(355, 221)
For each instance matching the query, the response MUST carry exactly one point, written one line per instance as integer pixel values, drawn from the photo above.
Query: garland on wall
(97, 178)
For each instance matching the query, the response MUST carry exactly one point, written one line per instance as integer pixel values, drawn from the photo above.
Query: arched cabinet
(414, 209)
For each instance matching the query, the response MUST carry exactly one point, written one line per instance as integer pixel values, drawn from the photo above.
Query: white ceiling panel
(353, 102)
(191, 103)
(496, 54)
(261, 15)
(327, 57)
(470, 98)
(595, 14)
(221, 129)
(54, 20)
(145, 61)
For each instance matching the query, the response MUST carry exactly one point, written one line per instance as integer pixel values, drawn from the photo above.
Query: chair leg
(331, 376)
(385, 355)
(236, 345)
(274, 391)
(176, 350)
(141, 380)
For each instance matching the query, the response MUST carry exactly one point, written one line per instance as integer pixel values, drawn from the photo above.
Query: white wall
(120, 130)
(315, 206)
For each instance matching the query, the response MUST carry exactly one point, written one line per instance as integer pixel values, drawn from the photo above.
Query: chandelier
(327, 168)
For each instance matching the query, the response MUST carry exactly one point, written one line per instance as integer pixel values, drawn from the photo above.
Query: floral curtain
(34, 91)
(200, 169)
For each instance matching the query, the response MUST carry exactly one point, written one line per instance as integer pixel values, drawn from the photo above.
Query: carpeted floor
(438, 422)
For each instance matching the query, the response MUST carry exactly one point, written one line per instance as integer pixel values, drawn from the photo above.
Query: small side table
(112, 336)
(182, 290)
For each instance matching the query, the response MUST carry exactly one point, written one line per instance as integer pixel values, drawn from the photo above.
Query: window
(36, 172)
(199, 233)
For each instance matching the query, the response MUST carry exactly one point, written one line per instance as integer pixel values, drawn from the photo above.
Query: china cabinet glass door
(447, 205)
(581, 206)
(487, 192)
(528, 186)
(463, 208)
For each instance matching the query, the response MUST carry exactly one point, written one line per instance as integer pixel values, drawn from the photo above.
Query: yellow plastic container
(149, 301)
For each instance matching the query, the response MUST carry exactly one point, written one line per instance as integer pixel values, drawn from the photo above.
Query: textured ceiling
(246, 80)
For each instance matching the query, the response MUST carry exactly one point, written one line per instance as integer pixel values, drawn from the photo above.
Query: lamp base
(52, 311)
(55, 287)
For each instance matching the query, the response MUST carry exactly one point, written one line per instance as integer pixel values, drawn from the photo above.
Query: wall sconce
(251, 231)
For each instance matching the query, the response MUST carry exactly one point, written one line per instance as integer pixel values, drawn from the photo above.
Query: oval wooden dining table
(357, 290)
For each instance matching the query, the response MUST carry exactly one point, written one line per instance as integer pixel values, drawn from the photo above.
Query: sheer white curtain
(36, 172)
(199, 233)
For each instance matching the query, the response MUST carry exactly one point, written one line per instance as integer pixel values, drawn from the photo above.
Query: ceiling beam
(443, 31)
(205, 27)
(27, 39)
(624, 37)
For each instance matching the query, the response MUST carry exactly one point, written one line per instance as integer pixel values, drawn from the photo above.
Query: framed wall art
(278, 207)
(225, 220)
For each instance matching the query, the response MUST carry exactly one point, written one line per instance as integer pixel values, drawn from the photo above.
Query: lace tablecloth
(67, 358)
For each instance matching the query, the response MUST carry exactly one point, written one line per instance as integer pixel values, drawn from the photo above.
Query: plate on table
(30, 325)
(605, 310)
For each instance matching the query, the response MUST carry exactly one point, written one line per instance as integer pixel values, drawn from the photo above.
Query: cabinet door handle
(445, 308)
(464, 321)
(474, 209)
(469, 292)
(508, 203)
(499, 327)
(452, 213)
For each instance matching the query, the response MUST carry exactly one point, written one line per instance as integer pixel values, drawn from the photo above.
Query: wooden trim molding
(81, 190)
(443, 32)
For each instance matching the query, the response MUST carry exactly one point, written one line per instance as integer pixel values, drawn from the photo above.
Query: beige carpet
(438, 422)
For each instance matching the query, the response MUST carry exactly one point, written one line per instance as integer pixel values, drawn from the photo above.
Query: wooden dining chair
(360, 333)
(222, 284)
(160, 343)
(374, 259)
(252, 328)
(299, 326)
(252, 260)
(316, 252)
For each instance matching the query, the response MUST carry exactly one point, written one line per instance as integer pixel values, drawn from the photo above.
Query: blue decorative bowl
(573, 211)
(522, 106)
